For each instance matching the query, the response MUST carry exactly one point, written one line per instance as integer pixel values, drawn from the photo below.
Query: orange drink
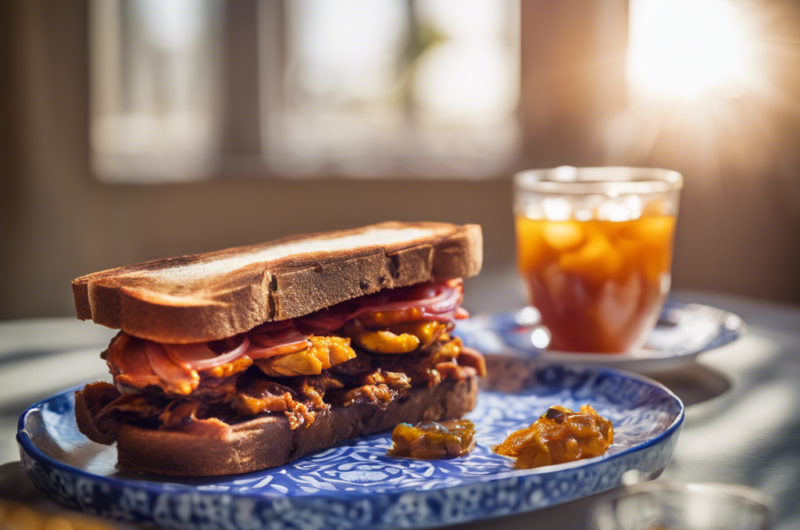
(597, 284)
(596, 261)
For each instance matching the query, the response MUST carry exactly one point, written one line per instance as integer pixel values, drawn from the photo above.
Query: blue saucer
(356, 485)
(683, 331)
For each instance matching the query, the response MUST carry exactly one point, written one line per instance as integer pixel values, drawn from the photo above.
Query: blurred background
(139, 129)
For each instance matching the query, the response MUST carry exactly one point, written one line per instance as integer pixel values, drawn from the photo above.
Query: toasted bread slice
(268, 441)
(219, 294)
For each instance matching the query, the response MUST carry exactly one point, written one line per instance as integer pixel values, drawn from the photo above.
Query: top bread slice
(219, 294)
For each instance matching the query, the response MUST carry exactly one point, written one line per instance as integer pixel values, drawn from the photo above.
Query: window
(186, 89)
(155, 88)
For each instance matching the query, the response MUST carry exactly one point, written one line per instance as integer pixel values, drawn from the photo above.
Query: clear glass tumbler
(672, 506)
(594, 246)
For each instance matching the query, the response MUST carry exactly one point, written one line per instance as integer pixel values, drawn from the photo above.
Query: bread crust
(86, 423)
(268, 441)
(184, 299)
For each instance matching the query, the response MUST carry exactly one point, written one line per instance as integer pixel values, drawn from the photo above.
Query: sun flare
(687, 48)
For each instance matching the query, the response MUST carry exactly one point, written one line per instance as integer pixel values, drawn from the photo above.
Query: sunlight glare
(687, 48)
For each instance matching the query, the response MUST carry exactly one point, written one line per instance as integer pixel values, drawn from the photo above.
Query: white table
(743, 400)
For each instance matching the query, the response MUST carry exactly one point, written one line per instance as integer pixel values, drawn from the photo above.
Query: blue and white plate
(682, 333)
(356, 485)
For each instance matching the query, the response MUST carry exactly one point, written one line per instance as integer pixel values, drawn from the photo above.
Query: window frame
(549, 127)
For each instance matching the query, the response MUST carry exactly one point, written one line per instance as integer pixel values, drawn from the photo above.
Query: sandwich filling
(369, 350)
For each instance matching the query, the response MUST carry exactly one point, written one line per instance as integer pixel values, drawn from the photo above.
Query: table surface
(742, 418)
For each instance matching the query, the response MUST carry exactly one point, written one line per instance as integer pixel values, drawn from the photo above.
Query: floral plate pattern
(355, 485)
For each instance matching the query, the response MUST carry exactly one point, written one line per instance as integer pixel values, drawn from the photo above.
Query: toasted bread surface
(268, 441)
(219, 294)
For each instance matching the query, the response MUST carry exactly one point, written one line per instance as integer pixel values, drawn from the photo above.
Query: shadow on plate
(694, 383)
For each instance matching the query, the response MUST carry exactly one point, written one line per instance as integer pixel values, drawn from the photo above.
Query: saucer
(683, 331)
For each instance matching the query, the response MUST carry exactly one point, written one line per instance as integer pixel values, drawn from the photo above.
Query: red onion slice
(282, 336)
(256, 353)
(437, 302)
(200, 357)
(458, 314)
(449, 303)
(186, 354)
(163, 366)
(447, 299)
(327, 320)
(441, 292)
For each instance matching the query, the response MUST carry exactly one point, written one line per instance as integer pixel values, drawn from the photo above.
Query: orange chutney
(432, 440)
(559, 436)
(599, 285)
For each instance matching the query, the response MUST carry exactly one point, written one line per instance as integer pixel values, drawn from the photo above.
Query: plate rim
(27, 445)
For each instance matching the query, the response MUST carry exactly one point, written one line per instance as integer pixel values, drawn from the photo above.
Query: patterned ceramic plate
(356, 485)
(683, 332)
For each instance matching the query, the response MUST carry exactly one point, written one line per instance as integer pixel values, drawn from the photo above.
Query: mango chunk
(323, 353)
(399, 338)
(386, 342)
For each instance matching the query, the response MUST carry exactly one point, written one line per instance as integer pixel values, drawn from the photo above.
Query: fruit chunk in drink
(599, 285)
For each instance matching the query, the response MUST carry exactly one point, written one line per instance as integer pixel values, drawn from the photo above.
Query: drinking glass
(673, 506)
(594, 246)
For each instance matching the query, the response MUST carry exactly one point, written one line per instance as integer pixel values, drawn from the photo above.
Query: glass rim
(743, 493)
(609, 180)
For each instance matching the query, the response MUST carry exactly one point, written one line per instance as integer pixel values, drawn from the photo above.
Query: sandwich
(251, 357)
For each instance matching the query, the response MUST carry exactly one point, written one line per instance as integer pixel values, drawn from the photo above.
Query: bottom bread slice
(268, 441)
